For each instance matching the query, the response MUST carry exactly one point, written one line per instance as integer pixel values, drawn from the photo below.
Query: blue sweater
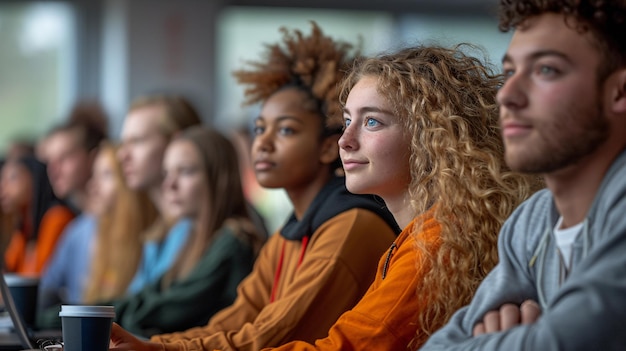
(64, 278)
(158, 257)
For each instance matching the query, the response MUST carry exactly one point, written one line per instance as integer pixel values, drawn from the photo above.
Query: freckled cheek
(389, 154)
(397, 158)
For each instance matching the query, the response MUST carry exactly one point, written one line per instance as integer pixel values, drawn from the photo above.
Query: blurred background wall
(55, 52)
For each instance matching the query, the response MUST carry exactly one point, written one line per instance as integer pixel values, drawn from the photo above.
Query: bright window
(36, 75)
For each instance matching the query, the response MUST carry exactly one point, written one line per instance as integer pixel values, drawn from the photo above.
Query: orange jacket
(386, 318)
(338, 267)
(20, 258)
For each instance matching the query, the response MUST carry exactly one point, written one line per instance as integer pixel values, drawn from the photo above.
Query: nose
(348, 139)
(512, 94)
(263, 142)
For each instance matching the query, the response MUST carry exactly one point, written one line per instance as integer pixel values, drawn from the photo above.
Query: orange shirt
(30, 258)
(386, 317)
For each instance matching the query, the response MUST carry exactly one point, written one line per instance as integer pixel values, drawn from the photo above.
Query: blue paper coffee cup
(86, 328)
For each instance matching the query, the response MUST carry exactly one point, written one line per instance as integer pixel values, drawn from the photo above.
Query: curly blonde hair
(315, 64)
(446, 102)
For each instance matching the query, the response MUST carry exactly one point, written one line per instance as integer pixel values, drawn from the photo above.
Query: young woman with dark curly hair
(324, 258)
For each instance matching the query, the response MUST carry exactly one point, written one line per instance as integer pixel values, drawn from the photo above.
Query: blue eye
(370, 122)
(346, 122)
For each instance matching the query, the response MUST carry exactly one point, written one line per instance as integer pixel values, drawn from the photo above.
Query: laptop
(20, 337)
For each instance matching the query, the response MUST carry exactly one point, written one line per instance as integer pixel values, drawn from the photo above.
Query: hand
(507, 317)
(121, 340)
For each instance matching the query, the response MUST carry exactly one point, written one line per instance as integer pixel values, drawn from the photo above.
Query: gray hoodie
(586, 310)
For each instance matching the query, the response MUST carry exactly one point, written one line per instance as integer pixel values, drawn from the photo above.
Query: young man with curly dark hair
(561, 280)
(320, 263)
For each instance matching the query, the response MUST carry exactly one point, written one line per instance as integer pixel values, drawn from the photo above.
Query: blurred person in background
(70, 150)
(19, 147)
(38, 217)
(121, 223)
(6, 222)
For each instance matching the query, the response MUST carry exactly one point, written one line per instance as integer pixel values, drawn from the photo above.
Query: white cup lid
(20, 280)
(87, 311)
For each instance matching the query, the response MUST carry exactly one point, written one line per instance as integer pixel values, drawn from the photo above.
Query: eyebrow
(367, 109)
(539, 54)
(281, 118)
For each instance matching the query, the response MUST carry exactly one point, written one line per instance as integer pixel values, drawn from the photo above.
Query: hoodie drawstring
(279, 268)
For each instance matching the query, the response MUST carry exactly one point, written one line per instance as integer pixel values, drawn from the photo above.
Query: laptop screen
(16, 318)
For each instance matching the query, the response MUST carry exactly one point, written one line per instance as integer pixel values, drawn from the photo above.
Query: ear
(330, 149)
(618, 92)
